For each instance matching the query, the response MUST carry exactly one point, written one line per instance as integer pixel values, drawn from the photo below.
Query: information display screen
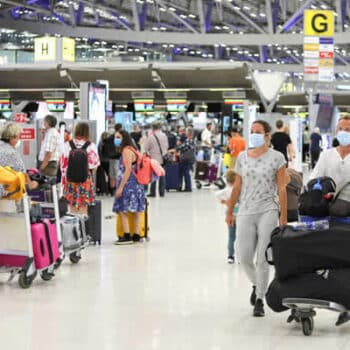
(5, 105)
(56, 105)
(124, 118)
(145, 105)
(177, 105)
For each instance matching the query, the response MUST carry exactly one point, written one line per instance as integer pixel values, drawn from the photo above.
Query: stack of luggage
(311, 257)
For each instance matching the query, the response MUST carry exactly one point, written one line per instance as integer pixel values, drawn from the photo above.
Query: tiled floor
(175, 292)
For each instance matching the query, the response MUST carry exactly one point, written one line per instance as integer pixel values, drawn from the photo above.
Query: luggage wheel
(198, 185)
(305, 317)
(74, 257)
(46, 275)
(25, 281)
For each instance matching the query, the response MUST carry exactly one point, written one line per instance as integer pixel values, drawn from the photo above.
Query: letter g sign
(318, 23)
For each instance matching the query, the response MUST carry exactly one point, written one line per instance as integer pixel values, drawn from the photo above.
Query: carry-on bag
(93, 226)
(212, 173)
(45, 243)
(201, 171)
(144, 224)
(331, 285)
(72, 236)
(316, 199)
(172, 176)
(298, 252)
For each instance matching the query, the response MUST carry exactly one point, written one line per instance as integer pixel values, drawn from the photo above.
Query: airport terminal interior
(172, 174)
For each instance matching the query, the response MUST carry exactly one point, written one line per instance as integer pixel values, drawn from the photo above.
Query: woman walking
(130, 195)
(260, 188)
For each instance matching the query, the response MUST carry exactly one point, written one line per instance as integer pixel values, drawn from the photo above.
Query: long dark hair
(127, 140)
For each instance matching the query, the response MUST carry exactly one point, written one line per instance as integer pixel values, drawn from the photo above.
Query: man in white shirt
(50, 150)
(335, 162)
(206, 141)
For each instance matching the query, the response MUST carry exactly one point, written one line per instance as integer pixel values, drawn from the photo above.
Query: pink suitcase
(45, 244)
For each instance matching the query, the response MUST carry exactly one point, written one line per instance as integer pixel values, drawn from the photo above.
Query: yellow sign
(311, 47)
(68, 49)
(327, 63)
(318, 23)
(44, 49)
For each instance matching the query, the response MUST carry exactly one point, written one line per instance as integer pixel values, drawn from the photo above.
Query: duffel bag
(298, 252)
(329, 285)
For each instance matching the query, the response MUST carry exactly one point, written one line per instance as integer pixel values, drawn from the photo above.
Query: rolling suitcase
(93, 225)
(102, 186)
(72, 237)
(212, 173)
(201, 171)
(45, 244)
(172, 176)
(144, 225)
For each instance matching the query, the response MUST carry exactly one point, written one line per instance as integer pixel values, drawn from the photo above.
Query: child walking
(223, 196)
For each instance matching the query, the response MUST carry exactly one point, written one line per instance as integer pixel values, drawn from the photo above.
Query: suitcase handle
(268, 249)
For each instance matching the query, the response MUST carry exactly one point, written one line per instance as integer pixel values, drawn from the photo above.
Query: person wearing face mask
(260, 189)
(130, 195)
(335, 162)
(9, 156)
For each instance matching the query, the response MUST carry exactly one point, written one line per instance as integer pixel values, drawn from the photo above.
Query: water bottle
(317, 225)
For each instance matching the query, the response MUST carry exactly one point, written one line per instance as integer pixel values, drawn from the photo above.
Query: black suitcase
(328, 285)
(298, 252)
(93, 225)
(102, 186)
(172, 176)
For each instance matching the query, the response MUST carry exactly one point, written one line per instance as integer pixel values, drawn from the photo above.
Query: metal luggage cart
(50, 210)
(16, 249)
(303, 311)
(210, 172)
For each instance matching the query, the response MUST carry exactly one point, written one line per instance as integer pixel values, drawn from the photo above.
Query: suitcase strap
(267, 251)
(48, 241)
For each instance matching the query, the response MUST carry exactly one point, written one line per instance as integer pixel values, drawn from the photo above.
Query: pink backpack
(147, 169)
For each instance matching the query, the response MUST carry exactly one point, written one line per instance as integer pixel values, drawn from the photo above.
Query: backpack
(315, 200)
(13, 183)
(147, 169)
(78, 163)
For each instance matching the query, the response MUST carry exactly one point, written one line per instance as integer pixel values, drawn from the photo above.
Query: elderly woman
(9, 156)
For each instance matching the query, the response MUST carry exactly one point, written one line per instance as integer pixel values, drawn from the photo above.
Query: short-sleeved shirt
(236, 145)
(51, 143)
(280, 142)
(259, 182)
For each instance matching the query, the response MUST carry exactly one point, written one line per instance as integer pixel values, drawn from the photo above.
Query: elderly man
(335, 162)
(157, 146)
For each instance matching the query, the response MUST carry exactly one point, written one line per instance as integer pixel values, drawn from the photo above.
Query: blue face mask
(344, 138)
(256, 140)
(117, 142)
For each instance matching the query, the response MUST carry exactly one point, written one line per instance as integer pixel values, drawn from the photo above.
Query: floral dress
(133, 199)
(79, 194)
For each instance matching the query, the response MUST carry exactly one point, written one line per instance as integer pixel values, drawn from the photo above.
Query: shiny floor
(174, 292)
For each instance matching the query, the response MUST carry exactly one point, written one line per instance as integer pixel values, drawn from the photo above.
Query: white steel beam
(111, 34)
(229, 4)
(175, 15)
(200, 8)
(135, 13)
(269, 16)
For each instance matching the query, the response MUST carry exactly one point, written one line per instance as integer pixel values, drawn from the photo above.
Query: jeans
(161, 186)
(185, 169)
(207, 153)
(231, 240)
(315, 155)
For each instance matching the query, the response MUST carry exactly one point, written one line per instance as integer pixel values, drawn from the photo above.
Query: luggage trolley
(210, 172)
(16, 248)
(303, 311)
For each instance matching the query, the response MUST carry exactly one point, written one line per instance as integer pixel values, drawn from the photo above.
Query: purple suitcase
(212, 173)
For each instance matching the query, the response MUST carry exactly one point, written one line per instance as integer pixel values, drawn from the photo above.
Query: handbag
(340, 207)
(167, 158)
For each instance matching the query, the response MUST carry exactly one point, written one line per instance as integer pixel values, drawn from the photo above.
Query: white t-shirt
(331, 164)
(206, 138)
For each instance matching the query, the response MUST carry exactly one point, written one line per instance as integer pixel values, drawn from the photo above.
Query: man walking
(281, 142)
(206, 141)
(157, 146)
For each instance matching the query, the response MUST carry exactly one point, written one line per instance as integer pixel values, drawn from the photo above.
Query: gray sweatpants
(253, 237)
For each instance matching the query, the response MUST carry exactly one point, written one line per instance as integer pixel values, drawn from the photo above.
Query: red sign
(311, 70)
(21, 118)
(27, 134)
(326, 54)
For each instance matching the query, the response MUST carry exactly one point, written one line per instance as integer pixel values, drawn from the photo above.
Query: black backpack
(315, 200)
(78, 164)
(109, 150)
